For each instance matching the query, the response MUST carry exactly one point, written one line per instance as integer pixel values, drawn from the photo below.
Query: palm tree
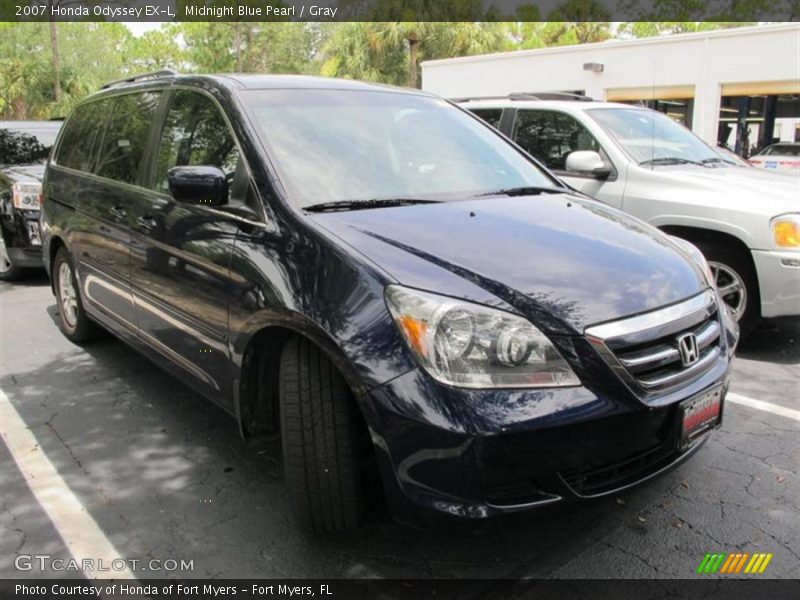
(359, 50)
(55, 55)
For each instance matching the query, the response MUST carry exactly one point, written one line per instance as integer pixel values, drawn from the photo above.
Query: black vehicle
(376, 276)
(24, 146)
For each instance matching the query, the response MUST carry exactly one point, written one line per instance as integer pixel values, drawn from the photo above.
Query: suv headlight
(786, 232)
(474, 346)
(26, 195)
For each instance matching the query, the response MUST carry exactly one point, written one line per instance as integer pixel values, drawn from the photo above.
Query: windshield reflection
(345, 145)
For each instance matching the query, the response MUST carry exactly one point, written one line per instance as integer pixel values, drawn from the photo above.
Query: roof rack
(530, 96)
(151, 75)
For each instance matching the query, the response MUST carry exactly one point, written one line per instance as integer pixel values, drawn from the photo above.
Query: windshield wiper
(345, 205)
(524, 191)
(669, 160)
(714, 160)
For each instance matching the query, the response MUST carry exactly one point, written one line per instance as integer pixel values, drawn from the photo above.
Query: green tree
(578, 21)
(390, 52)
(155, 50)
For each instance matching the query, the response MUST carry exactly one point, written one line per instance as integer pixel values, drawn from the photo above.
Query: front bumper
(20, 230)
(778, 282)
(449, 454)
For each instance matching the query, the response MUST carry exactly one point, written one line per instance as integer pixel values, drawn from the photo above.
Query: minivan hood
(742, 187)
(564, 261)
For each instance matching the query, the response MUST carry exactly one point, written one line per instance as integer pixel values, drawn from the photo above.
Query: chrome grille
(645, 350)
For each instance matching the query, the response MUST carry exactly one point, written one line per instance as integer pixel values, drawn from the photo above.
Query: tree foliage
(18, 148)
(387, 51)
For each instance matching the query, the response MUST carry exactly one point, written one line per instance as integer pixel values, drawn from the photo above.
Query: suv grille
(646, 352)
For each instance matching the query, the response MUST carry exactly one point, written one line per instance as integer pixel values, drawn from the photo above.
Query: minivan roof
(256, 82)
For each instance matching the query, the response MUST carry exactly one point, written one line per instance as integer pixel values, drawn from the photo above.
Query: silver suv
(746, 221)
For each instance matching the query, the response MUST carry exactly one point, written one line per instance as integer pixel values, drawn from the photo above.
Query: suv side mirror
(588, 162)
(204, 186)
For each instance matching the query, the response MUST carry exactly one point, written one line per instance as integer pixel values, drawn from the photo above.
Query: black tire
(78, 328)
(740, 264)
(318, 433)
(8, 270)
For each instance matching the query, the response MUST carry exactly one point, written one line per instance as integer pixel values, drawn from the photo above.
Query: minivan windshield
(651, 138)
(345, 146)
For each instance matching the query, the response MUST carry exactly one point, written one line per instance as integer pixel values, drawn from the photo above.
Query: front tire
(8, 270)
(319, 434)
(73, 321)
(736, 280)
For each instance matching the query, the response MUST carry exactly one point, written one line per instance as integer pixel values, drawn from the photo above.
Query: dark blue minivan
(377, 277)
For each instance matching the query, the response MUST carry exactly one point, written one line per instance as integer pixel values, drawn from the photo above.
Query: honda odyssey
(376, 276)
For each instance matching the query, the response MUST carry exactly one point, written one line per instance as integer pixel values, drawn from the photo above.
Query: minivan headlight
(468, 345)
(786, 232)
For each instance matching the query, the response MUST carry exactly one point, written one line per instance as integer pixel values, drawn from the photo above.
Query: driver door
(551, 135)
(181, 253)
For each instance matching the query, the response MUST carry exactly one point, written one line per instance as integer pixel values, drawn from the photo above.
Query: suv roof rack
(151, 75)
(530, 96)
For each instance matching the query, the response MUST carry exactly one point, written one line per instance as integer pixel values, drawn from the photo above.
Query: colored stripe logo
(737, 562)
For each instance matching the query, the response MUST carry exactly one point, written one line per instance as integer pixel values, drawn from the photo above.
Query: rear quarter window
(491, 115)
(82, 131)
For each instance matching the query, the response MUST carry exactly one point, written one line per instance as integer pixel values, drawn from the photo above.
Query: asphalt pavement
(142, 467)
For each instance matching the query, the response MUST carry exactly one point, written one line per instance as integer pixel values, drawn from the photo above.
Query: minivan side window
(195, 133)
(491, 115)
(551, 136)
(122, 153)
(77, 148)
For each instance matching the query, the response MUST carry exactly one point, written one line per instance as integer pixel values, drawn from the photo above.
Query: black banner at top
(401, 10)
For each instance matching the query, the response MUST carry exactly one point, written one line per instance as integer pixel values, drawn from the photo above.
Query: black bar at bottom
(713, 588)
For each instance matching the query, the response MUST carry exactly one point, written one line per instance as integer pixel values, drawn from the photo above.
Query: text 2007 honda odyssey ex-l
(375, 273)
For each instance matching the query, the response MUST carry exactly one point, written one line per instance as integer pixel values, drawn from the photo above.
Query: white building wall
(669, 66)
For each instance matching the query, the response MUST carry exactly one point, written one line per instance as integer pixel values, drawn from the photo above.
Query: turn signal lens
(786, 231)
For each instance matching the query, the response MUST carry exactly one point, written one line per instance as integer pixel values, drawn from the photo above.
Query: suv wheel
(318, 431)
(736, 281)
(75, 324)
(8, 271)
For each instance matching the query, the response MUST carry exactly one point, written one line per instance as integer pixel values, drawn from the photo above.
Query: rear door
(181, 253)
(551, 135)
(99, 165)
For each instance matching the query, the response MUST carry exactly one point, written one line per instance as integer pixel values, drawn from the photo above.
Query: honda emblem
(687, 346)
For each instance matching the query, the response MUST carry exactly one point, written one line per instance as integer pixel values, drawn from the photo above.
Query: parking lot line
(81, 534)
(782, 411)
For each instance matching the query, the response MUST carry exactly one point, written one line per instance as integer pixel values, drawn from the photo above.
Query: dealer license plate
(699, 414)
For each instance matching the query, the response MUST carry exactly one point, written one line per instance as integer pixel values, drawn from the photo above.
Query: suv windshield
(357, 146)
(650, 137)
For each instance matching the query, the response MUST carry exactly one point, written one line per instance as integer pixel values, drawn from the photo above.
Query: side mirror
(588, 162)
(203, 186)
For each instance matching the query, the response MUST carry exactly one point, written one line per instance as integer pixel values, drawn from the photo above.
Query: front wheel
(8, 270)
(735, 279)
(73, 321)
(319, 435)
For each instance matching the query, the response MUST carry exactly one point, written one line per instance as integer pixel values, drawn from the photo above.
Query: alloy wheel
(66, 295)
(731, 288)
(5, 260)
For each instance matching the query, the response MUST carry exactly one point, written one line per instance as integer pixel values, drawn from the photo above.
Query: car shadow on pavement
(30, 278)
(165, 474)
(773, 341)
